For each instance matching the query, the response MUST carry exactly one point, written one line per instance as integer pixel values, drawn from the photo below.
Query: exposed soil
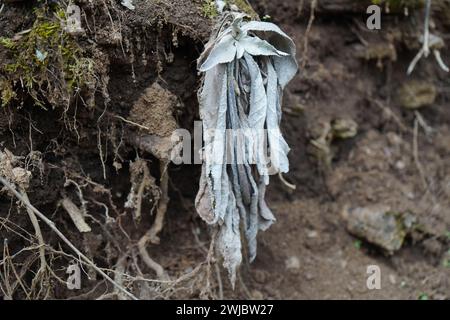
(396, 157)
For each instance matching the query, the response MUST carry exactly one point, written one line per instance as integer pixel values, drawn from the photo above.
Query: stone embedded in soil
(344, 128)
(292, 263)
(416, 94)
(432, 246)
(257, 295)
(378, 225)
(377, 51)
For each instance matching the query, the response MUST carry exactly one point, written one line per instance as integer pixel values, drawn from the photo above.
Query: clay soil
(347, 73)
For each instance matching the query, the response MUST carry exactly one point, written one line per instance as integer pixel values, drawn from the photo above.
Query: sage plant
(246, 65)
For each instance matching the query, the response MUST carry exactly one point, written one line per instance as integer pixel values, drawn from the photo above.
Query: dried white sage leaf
(246, 66)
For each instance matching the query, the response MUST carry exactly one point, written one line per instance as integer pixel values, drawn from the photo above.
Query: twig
(131, 122)
(441, 63)
(414, 62)
(52, 226)
(76, 215)
(7, 291)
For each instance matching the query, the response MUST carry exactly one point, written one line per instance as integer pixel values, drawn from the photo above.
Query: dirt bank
(83, 147)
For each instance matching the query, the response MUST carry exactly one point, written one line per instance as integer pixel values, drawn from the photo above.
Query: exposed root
(287, 184)
(132, 123)
(100, 151)
(308, 30)
(151, 236)
(139, 172)
(152, 264)
(52, 226)
(430, 43)
(206, 290)
(37, 229)
(8, 289)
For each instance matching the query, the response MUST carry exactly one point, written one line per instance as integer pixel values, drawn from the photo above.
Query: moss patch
(45, 60)
(209, 9)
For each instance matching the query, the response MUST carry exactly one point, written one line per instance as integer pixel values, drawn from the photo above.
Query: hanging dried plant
(246, 65)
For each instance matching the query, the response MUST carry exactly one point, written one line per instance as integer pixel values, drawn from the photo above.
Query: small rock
(394, 139)
(378, 52)
(344, 128)
(400, 165)
(257, 295)
(416, 94)
(312, 234)
(378, 225)
(392, 279)
(292, 263)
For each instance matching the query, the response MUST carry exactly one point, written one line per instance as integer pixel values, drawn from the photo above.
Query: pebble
(379, 225)
(257, 295)
(292, 263)
(392, 279)
(417, 94)
(312, 234)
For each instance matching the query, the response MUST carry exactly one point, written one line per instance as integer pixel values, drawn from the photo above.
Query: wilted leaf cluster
(246, 64)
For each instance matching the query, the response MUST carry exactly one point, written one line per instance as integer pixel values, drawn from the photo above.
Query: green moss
(7, 43)
(46, 60)
(7, 92)
(209, 9)
(357, 244)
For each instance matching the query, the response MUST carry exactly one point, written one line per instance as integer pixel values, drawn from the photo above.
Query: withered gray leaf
(246, 66)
